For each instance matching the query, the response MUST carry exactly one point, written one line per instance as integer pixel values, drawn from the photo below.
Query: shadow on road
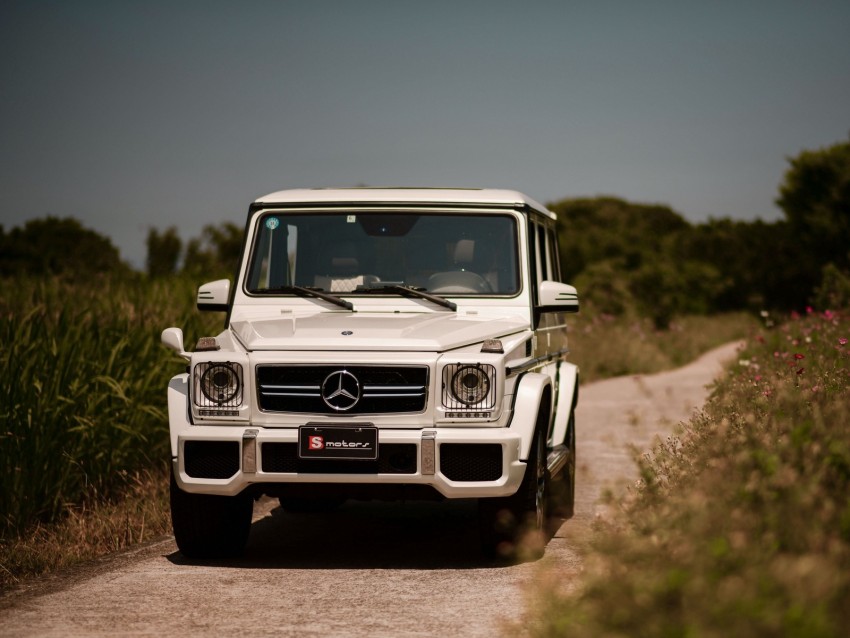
(365, 535)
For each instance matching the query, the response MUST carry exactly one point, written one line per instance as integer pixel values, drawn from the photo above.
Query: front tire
(506, 521)
(210, 526)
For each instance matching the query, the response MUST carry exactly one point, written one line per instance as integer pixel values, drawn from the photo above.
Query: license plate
(338, 442)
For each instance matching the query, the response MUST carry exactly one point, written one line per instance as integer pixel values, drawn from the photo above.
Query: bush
(740, 525)
(834, 289)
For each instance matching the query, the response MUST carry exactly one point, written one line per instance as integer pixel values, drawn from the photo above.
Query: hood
(431, 332)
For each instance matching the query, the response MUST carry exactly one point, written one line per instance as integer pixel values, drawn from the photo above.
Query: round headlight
(220, 383)
(470, 385)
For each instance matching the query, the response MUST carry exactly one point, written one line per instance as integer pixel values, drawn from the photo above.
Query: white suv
(379, 344)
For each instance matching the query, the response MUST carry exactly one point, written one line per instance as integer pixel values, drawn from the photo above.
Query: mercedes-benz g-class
(379, 344)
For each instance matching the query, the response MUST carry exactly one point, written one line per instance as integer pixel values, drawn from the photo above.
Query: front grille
(368, 389)
(211, 459)
(467, 462)
(393, 458)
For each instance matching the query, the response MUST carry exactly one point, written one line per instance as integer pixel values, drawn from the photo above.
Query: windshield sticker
(272, 223)
(351, 219)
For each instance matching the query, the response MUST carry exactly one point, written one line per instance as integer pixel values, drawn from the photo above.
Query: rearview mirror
(553, 296)
(172, 338)
(214, 296)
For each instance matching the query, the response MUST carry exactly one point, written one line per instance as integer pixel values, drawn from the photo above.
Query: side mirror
(214, 296)
(172, 338)
(554, 296)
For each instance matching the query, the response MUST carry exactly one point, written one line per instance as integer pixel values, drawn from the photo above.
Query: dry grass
(91, 530)
(604, 346)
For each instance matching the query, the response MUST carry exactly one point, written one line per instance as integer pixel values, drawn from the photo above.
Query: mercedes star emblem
(341, 390)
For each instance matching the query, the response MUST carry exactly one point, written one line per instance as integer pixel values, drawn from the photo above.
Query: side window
(542, 254)
(552, 255)
(533, 266)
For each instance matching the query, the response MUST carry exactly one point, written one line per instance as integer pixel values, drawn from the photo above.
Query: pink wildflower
(809, 310)
(842, 341)
(799, 356)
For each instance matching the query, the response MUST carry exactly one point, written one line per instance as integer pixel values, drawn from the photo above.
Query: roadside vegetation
(83, 413)
(605, 346)
(740, 523)
(82, 397)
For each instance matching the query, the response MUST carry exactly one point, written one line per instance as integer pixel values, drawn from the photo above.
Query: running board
(557, 459)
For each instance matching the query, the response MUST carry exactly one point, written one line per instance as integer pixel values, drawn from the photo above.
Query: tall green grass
(740, 525)
(82, 400)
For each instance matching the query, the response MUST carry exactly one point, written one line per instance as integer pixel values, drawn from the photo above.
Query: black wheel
(209, 526)
(505, 522)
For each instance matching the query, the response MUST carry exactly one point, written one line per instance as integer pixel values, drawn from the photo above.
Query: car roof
(403, 195)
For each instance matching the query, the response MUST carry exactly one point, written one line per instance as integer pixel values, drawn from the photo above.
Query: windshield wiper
(411, 291)
(301, 291)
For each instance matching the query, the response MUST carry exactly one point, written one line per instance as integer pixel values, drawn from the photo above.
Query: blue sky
(129, 115)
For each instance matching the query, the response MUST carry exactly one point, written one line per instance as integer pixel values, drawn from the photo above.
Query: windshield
(351, 253)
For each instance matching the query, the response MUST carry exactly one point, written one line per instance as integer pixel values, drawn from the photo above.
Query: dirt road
(369, 569)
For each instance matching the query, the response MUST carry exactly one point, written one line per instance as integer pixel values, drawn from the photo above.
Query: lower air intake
(211, 459)
(469, 462)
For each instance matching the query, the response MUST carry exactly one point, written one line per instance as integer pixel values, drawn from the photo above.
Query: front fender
(178, 408)
(527, 403)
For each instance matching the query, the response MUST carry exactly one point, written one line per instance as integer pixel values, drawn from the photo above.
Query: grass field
(740, 525)
(82, 400)
(605, 346)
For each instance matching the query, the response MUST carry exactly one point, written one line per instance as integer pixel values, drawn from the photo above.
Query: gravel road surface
(368, 569)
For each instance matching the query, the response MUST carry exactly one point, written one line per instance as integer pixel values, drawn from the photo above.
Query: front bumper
(448, 460)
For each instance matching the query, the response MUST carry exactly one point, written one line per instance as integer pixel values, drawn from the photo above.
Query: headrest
(464, 251)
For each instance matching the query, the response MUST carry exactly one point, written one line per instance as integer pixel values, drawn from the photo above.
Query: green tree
(815, 196)
(666, 287)
(163, 252)
(757, 262)
(633, 258)
(606, 228)
(58, 246)
(215, 254)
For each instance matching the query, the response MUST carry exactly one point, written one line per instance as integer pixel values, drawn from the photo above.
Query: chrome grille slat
(290, 394)
(384, 389)
(382, 396)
